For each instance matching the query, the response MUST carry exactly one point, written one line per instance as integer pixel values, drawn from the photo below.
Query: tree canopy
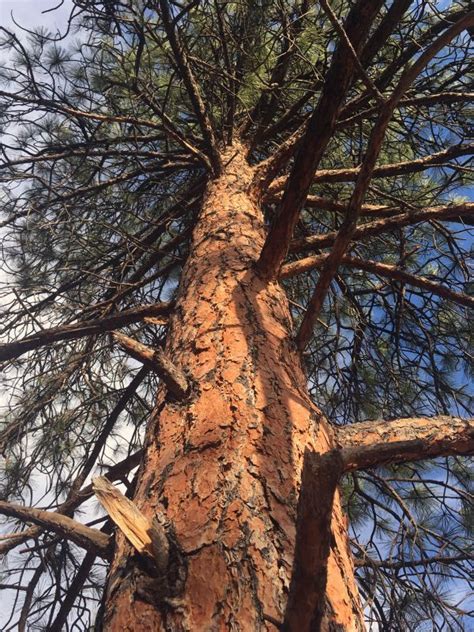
(356, 117)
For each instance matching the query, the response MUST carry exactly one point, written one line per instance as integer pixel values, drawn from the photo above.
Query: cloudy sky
(30, 13)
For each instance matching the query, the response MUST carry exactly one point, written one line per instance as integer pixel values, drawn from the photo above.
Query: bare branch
(85, 537)
(384, 270)
(384, 171)
(156, 359)
(148, 537)
(424, 561)
(85, 328)
(72, 593)
(457, 212)
(116, 472)
(191, 86)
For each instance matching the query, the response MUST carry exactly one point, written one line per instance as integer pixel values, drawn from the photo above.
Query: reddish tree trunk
(225, 465)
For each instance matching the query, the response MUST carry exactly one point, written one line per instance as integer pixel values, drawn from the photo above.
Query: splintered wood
(133, 524)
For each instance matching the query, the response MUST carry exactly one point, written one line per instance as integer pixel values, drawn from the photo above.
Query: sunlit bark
(225, 466)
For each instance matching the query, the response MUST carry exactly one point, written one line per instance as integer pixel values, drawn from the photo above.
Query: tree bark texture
(224, 465)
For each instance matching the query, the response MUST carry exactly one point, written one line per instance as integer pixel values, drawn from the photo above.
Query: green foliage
(102, 177)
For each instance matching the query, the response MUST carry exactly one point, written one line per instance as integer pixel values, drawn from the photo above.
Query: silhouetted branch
(15, 349)
(385, 171)
(384, 270)
(191, 85)
(463, 212)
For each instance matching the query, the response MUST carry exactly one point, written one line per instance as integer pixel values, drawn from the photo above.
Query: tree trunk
(225, 465)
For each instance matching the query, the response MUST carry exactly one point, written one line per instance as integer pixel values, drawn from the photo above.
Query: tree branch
(395, 565)
(85, 537)
(316, 138)
(357, 62)
(191, 86)
(157, 360)
(384, 270)
(74, 589)
(360, 446)
(15, 349)
(374, 443)
(345, 233)
(115, 472)
(457, 212)
(148, 537)
(426, 99)
(382, 171)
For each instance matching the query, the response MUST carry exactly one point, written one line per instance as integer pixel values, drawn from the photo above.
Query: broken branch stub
(157, 360)
(147, 537)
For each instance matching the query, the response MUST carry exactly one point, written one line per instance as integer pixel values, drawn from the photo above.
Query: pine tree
(236, 315)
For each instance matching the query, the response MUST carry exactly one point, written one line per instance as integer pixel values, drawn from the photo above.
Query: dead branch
(45, 337)
(148, 537)
(116, 472)
(156, 359)
(85, 537)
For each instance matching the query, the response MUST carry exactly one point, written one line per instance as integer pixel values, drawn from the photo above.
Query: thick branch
(85, 537)
(318, 134)
(383, 30)
(306, 599)
(377, 135)
(384, 270)
(373, 443)
(357, 62)
(79, 330)
(156, 359)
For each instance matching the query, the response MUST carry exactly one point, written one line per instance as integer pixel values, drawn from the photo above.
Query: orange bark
(225, 465)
